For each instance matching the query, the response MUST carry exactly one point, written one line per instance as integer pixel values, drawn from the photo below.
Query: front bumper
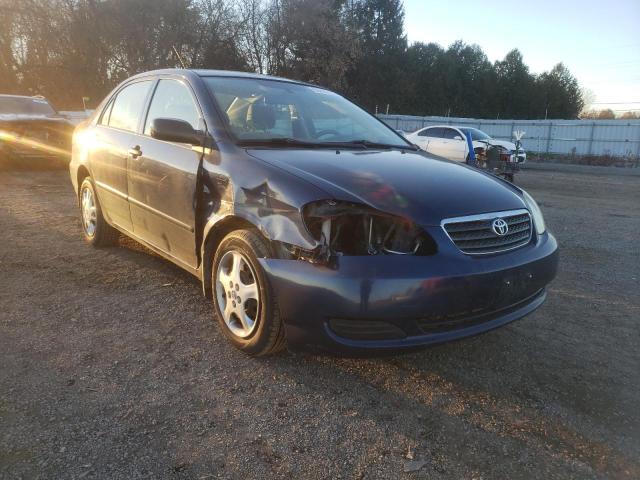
(390, 302)
(520, 158)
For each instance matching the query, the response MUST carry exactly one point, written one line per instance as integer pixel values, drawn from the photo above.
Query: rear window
(25, 106)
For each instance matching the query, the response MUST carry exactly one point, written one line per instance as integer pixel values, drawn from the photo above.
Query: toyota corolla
(309, 222)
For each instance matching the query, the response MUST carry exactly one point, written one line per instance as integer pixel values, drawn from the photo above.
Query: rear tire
(95, 228)
(244, 302)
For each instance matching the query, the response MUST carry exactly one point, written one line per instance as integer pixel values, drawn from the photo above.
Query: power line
(621, 110)
(612, 47)
(614, 103)
(610, 64)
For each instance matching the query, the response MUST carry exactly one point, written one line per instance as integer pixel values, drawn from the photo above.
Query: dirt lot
(111, 365)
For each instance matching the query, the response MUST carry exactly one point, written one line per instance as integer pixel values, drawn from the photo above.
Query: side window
(172, 99)
(426, 133)
(450, 133)
(104, 118)
(128, 105)
(433, 133)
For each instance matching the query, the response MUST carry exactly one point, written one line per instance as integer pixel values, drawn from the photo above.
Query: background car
(450, 142)
(31, 128)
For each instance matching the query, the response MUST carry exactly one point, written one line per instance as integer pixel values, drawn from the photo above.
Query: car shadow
(142, 256)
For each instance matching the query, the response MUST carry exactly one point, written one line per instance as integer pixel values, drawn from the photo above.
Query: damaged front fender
(239, 191)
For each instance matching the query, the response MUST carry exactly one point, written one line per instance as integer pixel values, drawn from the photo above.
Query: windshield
(475, 134)
(267, 110)
(25, 106)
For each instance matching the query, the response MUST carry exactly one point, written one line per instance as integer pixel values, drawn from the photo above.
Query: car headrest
(261, 116)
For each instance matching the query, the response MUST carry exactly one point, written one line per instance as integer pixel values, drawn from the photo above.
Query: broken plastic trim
(344, 228)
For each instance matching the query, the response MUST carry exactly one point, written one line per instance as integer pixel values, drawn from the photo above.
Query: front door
(162, 177)
(434, 144)
(454, 145)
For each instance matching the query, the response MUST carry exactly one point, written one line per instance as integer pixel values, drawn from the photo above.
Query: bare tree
(252, 38)
(69, 49)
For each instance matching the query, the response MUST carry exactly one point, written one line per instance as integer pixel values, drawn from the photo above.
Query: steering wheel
(323, 133)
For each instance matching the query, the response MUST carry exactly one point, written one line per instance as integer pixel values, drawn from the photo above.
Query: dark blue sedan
(309, 222)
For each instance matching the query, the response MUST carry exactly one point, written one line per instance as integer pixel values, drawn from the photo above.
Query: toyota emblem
(500, 227)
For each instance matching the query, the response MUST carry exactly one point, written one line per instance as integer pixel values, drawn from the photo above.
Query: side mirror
(458, 137)
(179, 131)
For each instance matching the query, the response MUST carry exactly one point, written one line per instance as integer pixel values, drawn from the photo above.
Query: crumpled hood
(410, 184)
(502, 143)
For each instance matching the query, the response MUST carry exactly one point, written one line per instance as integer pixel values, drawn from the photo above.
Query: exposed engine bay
(357, 230)
(498, 160)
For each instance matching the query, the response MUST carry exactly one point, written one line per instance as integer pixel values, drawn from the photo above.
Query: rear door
(422, 138)
(109, 156)
(162, 178)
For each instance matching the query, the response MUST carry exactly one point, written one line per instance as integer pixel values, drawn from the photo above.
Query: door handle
(135, 152)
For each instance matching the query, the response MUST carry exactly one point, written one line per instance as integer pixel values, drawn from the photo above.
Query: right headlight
(536, 213)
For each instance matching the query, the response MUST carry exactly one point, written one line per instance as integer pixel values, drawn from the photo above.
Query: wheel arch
(214, 233)
(81, 174)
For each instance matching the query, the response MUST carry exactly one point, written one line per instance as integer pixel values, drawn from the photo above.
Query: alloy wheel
(238, 293)
(89, 212)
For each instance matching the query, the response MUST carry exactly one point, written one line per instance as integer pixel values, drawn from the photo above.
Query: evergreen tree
(376, 78)
(560, 93)
(515, 86)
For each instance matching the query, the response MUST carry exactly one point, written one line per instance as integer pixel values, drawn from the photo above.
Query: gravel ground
(111, 365)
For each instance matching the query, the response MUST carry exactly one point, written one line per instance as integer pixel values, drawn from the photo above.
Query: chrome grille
(474, 234)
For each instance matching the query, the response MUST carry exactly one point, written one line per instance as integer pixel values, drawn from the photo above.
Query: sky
(599, 41)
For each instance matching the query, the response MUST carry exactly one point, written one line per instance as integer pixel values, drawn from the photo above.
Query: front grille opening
(476, 236)
(365, 329)
(469, 318)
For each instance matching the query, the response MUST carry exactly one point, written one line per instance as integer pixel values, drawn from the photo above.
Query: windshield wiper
(369, 144)
(293, 142)
(280, 142)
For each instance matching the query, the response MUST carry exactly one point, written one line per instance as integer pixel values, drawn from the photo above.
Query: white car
(450, 142)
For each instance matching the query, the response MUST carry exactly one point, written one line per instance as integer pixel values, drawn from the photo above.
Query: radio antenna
(178, 55)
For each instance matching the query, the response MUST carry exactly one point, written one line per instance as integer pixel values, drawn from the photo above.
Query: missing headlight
(353, 229)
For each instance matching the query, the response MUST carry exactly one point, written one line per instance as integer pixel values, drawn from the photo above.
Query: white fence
(619, 138)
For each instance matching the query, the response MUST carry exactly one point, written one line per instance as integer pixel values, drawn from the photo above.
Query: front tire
(95, 228)
(244, 302)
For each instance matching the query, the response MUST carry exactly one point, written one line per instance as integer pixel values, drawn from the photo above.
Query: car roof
(187, 72)
(30, 97)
